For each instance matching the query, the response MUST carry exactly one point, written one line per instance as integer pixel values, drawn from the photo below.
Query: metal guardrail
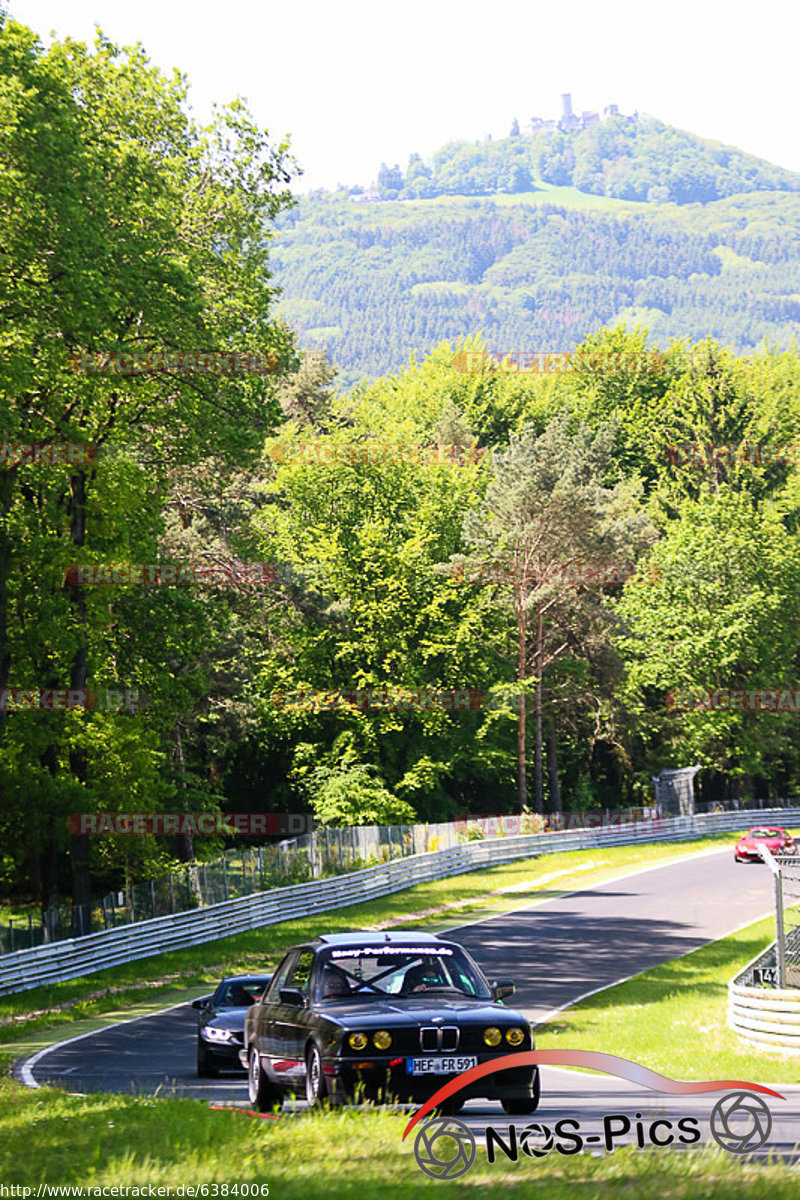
(77, 957)
(764, 1015)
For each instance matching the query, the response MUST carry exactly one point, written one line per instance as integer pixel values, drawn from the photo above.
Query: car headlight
(382, 1039)
(492, 1036)
(515, 1036)
(212, 1034)
(357, 1041)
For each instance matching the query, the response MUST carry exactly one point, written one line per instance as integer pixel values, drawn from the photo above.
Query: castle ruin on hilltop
(570, 122)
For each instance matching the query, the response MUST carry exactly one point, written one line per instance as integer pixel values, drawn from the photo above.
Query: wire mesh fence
(325, 852)
(788, 920)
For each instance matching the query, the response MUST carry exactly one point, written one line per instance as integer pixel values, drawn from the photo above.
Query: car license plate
(449, 1065)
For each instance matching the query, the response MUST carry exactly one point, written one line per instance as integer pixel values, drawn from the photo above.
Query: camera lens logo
(536, 1140)
(740, 1122)
(444, 1148)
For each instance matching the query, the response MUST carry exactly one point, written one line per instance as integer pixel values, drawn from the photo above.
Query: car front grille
(439, 1039)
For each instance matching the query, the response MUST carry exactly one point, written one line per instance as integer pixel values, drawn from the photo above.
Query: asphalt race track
(556, 951)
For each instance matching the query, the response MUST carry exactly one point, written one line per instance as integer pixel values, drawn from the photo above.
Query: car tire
(316, 1087)
(525, 1104)
(449, 1108)
(205, 1068)
(263, 1095)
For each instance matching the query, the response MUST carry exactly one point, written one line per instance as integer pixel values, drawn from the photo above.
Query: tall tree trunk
(184, 845)
(538, 794)
(6, 492)
(47, 849)
(522, 626)
(79, 842)
(552, 766)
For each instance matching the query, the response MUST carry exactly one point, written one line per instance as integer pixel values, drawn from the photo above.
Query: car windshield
(399, 971)
(239, 993)
(765, 833)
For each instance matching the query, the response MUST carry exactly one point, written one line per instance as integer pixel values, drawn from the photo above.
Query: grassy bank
(112, 1140)
(440, 904)
(673, 1018)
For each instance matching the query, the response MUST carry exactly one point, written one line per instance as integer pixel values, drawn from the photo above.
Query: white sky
(357, 82)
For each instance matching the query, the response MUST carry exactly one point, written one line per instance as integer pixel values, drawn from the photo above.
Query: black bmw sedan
(383, 1016)
(220, 1025)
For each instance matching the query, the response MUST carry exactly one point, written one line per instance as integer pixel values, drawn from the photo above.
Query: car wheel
(263, 1095)
(452, 1106)
(525, 1104)
(316, 1087)
(205, 1069)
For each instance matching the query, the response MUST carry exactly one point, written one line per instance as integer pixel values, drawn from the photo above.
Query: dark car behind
(220, 1024)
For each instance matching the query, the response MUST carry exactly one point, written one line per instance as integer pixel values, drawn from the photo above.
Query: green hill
(626, 220)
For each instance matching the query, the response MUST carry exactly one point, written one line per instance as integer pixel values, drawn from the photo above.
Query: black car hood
(414, 1010)
(225, 1018)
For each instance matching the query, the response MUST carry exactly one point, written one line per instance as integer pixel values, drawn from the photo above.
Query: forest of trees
(371, 283)
(375, 539)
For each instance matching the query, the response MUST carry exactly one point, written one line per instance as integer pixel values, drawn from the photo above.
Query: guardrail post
(775, 868)
(779, 930)
(225, 878)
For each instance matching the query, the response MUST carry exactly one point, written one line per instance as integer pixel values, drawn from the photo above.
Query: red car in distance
(777, 841)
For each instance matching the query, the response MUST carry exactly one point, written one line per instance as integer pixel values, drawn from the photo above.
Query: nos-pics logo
(445, 1148)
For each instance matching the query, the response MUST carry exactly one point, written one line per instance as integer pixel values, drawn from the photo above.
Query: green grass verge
(111, 1140)
(673, 1018)
(440, 904)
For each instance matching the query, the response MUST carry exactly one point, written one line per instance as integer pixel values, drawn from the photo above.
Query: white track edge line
(25, 1068)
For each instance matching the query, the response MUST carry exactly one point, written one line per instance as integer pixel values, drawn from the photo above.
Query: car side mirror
(502, 988)
(201, 1002)
(293, 996)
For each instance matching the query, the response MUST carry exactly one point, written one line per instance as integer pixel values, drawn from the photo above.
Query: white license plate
(449, 1065)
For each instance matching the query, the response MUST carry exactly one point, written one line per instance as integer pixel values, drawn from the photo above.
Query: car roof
(254, 975)
(372, 937)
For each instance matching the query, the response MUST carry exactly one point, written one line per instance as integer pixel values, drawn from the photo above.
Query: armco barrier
(766, 1017)
(81, 956)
